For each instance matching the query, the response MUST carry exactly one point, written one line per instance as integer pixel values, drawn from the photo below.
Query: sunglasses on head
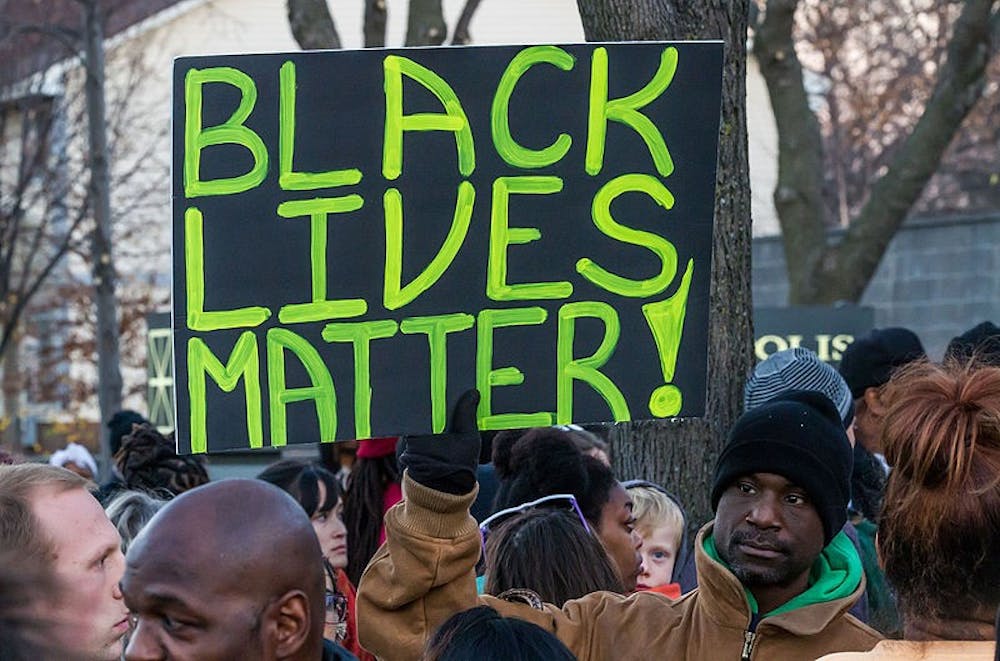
(554, 501)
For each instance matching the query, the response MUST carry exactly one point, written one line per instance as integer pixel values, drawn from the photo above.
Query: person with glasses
(776, 574)
(317, 490)
(545, 548)
(545, 461)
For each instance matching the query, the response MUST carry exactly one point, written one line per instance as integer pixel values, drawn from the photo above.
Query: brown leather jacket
(425, 573)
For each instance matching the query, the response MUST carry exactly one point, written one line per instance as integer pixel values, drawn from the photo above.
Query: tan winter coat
(425, 573)
(904, 650)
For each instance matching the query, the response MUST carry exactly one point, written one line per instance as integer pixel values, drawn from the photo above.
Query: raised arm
(423, 574)
(425, 571)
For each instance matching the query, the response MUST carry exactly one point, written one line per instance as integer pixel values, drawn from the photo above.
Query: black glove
(446, 462)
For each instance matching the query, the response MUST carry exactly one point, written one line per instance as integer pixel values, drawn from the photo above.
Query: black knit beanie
(869, 361)
(981, 342)
(798, 435)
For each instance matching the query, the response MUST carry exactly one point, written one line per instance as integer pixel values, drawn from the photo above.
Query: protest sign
(360, 236)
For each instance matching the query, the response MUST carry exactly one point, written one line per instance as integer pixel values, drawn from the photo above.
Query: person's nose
(142, 644)
(765, 512)
(636, 540)
(118, 571)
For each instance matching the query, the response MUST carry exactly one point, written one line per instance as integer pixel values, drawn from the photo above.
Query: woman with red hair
(939, 533)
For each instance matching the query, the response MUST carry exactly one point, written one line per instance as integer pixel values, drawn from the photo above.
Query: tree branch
(375, 19)
(798, 196)
(960, 84)
(462, 35)
(425, 25)
(312, 25)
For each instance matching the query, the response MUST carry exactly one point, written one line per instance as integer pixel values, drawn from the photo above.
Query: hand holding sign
(446, 462)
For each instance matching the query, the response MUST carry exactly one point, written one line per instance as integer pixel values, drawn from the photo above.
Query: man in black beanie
(866, 366)
(781, 489)
(980, 343)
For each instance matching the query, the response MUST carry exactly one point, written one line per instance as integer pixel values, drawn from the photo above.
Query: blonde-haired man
(48, 514)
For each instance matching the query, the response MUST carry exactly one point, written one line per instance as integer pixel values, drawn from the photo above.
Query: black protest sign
(359, 236)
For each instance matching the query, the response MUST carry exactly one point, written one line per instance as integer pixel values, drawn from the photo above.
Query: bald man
(230, 570)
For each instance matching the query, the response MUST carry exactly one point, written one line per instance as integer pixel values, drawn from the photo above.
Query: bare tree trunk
(822, 273)
(312, 25)
(681, 454)
(375, 19)
(109, 385)
(425, 25)
(462, 35)
(11, 384)
(628, 20)
(798, 197)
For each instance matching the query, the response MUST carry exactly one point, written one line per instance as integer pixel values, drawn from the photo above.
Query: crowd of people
(856, 516)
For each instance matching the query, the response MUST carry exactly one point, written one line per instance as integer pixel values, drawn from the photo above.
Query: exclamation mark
(666, 320)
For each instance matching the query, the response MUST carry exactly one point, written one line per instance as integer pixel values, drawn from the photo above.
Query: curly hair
(363, 510)
(147, 462)
(545, 461)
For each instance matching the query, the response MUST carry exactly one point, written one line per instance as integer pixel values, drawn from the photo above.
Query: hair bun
(503, 445)
(941, 421)
(546, 459)
(536, 463)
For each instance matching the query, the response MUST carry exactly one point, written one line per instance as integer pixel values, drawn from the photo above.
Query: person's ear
(291, 623)
(873, 402)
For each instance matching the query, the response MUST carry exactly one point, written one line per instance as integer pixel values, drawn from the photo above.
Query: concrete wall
(938, 278)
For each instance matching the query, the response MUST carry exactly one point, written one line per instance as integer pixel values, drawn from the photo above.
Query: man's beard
(780, 571)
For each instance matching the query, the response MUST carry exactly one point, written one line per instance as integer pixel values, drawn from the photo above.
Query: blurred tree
(869, 97)
(313, 25)
(59, 127)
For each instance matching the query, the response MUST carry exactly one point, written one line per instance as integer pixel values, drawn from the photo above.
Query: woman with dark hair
(148, 461)
(373, 488)
(549, 552)
(545, 461)
(317, 490)
(939, 533)
(481, 634)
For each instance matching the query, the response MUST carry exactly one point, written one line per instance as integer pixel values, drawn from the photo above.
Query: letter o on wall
(760, 347)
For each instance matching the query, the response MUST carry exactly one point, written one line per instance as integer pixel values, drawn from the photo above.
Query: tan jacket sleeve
(425, 572)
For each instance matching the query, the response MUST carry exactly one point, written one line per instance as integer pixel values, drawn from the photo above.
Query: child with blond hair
(659, 520)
